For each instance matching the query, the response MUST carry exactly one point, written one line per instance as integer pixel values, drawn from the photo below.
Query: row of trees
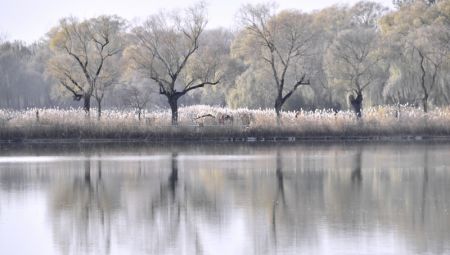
(358, 55)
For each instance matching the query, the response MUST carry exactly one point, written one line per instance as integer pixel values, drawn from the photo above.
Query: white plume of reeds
(376, 120)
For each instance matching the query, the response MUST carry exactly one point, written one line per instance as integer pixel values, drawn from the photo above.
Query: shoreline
(235, 140)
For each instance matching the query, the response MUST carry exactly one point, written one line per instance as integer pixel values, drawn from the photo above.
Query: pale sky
(29, 20)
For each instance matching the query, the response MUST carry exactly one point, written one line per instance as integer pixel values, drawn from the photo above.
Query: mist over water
(354, 198)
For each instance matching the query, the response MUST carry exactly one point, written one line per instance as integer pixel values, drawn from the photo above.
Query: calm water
(295, 199)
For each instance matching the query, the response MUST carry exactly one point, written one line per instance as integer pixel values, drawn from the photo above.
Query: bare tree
(282, 41)
(166, 49)
(83, 52)
(137, 97)
(109, 77)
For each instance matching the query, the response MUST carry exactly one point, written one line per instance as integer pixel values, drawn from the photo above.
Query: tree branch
(299, 83)
(187, 89)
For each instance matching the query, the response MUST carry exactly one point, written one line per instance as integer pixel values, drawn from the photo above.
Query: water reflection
(356, 176)
(81, 210)
(279, 197)
(424, 185)
(305, 199)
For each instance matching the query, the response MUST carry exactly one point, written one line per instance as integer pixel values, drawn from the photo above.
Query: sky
(30, 20)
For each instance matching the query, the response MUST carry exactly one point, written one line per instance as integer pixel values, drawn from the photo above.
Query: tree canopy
(340, 57)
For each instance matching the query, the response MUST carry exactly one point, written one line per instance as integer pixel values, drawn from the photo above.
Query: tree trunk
(424, 87)
(358, 109)
(99, 109)
(356, 104)
(87, 104)
(173, 102)
(425, 103)
(278, 106)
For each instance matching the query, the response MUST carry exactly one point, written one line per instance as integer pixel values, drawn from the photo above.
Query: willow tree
(167, 50)
(283, 42)
(353, 60)
(419, 35)
(85, 54)
(352, 63)
(423, 48)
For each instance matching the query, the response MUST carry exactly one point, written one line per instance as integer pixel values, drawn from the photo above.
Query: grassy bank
(245, 124)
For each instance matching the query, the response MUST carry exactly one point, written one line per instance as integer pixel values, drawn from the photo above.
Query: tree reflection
(174, 203)
(175, 210)
(81, 211)
(279, 194)
(356, 175)
(173, 177)
(166, 211)
(280, 179)
(424, 184)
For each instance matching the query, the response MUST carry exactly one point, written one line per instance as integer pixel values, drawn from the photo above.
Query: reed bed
(382, 121)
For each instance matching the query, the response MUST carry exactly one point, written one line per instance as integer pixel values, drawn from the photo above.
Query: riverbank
(259, 140)
(242, 125)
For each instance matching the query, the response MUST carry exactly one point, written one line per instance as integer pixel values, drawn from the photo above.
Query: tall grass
(73, 124)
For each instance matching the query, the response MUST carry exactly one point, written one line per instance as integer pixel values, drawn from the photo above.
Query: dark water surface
(323, 198)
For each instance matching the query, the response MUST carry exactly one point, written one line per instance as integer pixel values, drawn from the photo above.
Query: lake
(322, 198)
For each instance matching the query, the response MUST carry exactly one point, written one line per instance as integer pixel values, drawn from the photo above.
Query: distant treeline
(337, 57)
